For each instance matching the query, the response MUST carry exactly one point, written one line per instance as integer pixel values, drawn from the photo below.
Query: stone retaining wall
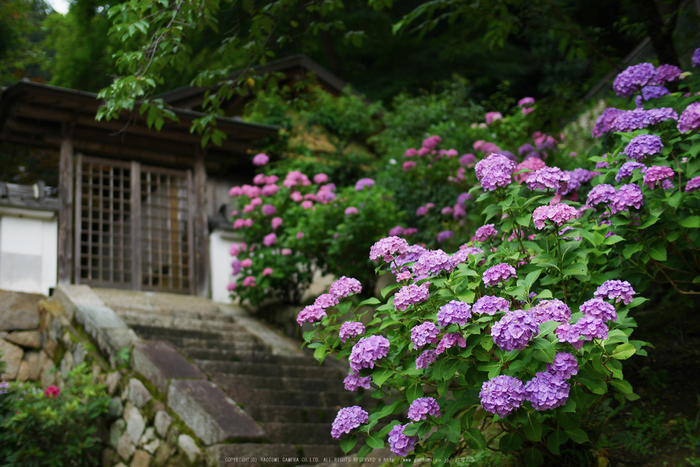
(156, 417)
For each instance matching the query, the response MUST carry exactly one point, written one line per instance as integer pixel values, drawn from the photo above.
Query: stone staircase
(285, 390)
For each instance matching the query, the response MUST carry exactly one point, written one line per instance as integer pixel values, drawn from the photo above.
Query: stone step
(280, 382)
(292, 414)
(216, 336)
(250, 357)
(185, 343)
(297, 433)
(260, 369)
(249, 397)
(266, 455)
(187, 323)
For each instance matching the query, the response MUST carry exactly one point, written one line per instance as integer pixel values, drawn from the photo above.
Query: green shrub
(52, 427)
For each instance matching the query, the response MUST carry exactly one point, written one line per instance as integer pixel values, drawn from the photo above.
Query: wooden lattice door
(133, 226)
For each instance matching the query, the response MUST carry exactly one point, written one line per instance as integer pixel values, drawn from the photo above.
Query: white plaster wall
(220, 260)
(28, 253)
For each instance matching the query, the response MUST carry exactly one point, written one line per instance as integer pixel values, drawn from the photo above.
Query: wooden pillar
(65, 211)
(201, 230)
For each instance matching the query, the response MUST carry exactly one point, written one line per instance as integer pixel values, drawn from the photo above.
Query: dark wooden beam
(65, 212)
(136, 233)
(201, 231)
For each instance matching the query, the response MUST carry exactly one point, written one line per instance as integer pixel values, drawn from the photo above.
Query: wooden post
(201, 231)
(65, 211)
(136, 232)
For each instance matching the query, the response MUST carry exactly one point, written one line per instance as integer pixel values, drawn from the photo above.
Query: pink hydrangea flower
(408, 165)
(246, 263)
(260, 159)
(351, 211)
(286, 252)
(267, 272)
(307, 204)
(276, 222)
(269, 239)
(249, 281)
(320, 178)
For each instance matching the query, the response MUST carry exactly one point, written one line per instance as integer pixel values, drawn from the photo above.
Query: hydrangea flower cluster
(399, 443)
(454, 312)
(514, 330)
(633, 78)
(550, 310)
(654, 92)
(599, 309)
(591, 328)
(353, 382)
(488, 304)
(659, 175)
(424, 334)
(351, 329)
(558, 214)
(367, 351)
(310, 313)
(690, 118)
(261, 159)
(422, 407)
(548, 178)
(629, 120)
(531, 163)
(494, 171)
(565, 365)
(577, 177)
(426, 358)
(642, 146)
(449, 340)
(364, 182)
(344, 287)
(432, 263)
(348, 419)
(388, 248)
(326, 301)
(502, 395)
(411, 255)
(620, 291)
(627, 169)
(547, 391)
(627, 196)
(410, 295)
(499, 273)
(695, 61)
(485, 232)
(444, 235)
(693, 184)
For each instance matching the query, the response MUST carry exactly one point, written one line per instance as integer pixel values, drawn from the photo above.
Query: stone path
(282, 388)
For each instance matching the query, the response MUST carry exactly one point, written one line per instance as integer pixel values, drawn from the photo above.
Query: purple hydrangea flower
(364, 182)
(627, 196)
(311, 314)
(696, 58)
(432, 263)
(485, 232)
(260, 159)
(559, 214)
(367, 351)
(547, 391)
(412, 255)
(514, 330)
(348, 419)
(690, 118)
(410, 295)
(693, 184)
(565, 365)
(567, 332)
(550, 310)
(630, 120)
(621, 291)
(502, 395)
(599, 309)
(467, 160)
(642, 146)
(423, 334)
(422, 407)
(353, 382)
(454, 312)
(665, 73)
(494, 171)
(605, 121)
(399, 443)
(449, 340)
(499, 273)
(445, 235)
(426, 358)
(270, 239)
(269, 210)
(388, 248)
(591, 328)
(396, 231)
(462, 255)
(351, 211)
(345, 286)
(627, 169)
(577, 177)
(658, 175)
(548, 178)
(351, 329)
(488, 304)
(633, 79)
(654, 92)
(326, 301)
